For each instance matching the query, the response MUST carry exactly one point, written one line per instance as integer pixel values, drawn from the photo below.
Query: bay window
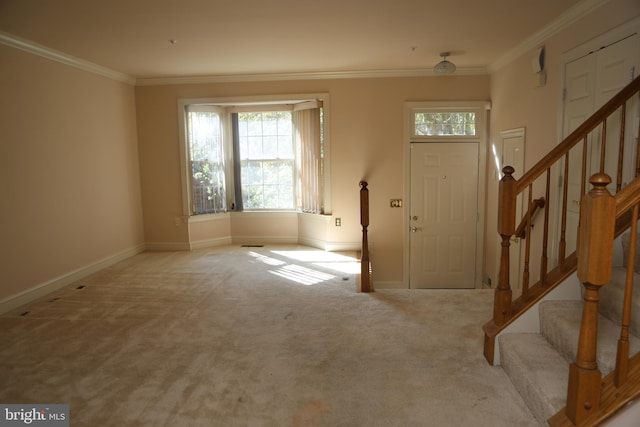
(253, 156)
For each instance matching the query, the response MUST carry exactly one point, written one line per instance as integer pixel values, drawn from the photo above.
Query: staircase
(583, 365)
(538, 363)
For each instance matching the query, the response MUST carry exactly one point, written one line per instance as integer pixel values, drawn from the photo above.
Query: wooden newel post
(506, 229)
(365, 284)
(595, 257)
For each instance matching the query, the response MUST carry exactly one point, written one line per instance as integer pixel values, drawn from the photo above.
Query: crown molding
(321, 75)
(574, 14)
(54, 55)
(61, 57)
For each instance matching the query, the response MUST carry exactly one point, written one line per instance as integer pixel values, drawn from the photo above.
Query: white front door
(590, 81)
(443, 215)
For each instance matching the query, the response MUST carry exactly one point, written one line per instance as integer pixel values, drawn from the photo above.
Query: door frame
(520, 205)
(481, 109)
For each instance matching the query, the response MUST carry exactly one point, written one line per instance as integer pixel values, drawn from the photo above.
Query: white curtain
(306, 119)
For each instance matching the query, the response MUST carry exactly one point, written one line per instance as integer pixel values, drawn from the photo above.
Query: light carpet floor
(273, 336)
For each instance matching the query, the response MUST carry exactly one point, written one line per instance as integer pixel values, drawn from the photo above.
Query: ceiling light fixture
(444, 66)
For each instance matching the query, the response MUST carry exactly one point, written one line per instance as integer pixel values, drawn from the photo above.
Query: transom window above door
(443, 123)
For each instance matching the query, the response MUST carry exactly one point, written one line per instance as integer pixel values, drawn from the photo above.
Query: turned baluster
(562, 246)
(365, 265)
(506, 229)
(544, 259)
(623, 124)
(622, 356)
(595, 256)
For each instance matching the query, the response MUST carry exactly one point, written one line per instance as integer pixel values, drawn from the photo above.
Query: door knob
(414, 229)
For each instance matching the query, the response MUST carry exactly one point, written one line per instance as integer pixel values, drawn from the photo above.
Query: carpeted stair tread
(560, 325)
(537, 371)
(612, 296)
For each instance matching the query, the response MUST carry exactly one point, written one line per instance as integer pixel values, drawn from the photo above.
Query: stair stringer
(529, 321)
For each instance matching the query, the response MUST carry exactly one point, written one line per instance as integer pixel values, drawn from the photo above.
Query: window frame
(245, 103)
(445, 108)
(450, 113)
(242, 162)
(190, 161)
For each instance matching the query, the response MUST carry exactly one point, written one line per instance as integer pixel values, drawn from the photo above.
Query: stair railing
(574, 156)
(365, 283)
(590, 398)
(521, 233)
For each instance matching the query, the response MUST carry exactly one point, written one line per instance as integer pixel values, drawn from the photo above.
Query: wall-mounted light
(444, 67)
(537, 66)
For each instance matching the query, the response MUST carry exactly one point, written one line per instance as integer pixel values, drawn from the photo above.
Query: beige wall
(366, 136)
(74, 190)
(516, 102)
(69, 176)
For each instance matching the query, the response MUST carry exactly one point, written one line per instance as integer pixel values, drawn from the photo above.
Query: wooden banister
(590, 398)
(521, 231)
(595, 260)
(507, 307)
(622, 356)
(365, 283)
(579, 133)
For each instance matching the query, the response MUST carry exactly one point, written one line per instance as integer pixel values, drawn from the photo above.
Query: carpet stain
(310, 413)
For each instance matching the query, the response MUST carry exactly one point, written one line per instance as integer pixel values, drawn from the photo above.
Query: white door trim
(520, 210)
(480, 108)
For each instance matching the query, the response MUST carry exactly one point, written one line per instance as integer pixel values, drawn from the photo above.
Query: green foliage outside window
(445, 124)
(267, 160)
(207, 168)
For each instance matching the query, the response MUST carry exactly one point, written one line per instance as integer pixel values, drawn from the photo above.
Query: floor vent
(253, 246)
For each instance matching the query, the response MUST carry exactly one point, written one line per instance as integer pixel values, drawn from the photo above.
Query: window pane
(285, 147)
(270, 147)
(267, 160)
(251, 173)
(207, 169)
(254, 148)
(445, 124)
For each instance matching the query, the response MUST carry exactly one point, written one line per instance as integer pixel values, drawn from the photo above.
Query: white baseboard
(168, 246)
(38, 291)
(209, 243)
(342, 246)
(330, 246)
(388, 285)
(264, 240)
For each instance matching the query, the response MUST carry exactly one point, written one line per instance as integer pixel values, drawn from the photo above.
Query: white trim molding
(574, 14)
(39, 291)
(63, 58)
(320, 75)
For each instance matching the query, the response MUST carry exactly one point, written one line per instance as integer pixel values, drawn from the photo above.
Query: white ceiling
(249, 37)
